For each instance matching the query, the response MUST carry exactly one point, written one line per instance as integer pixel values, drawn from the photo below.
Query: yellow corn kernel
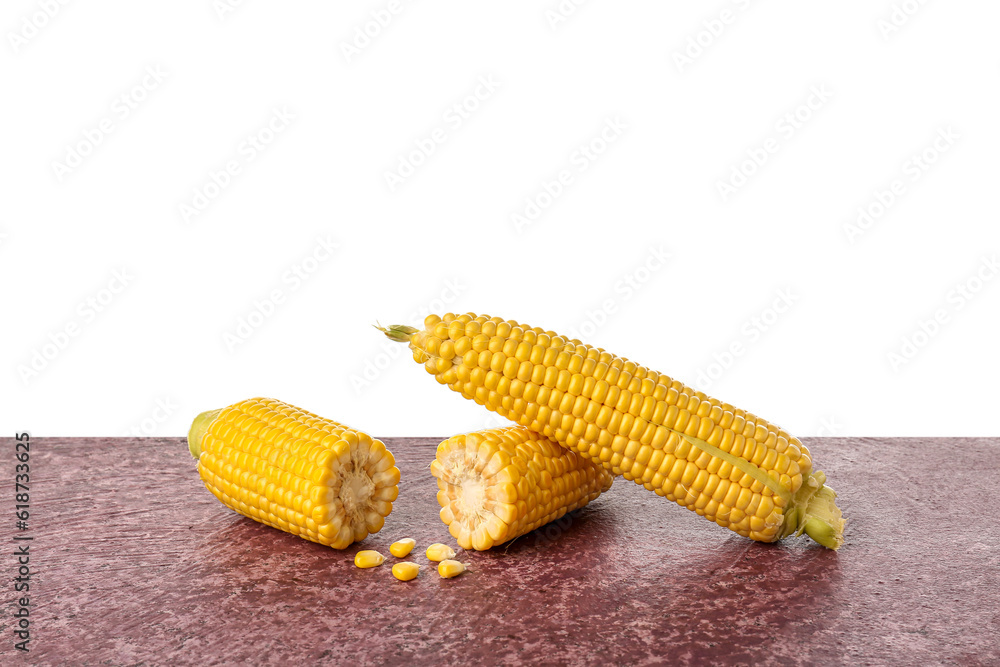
(368, 558)
(402, 548)
(607, 408)
(405, 571)
(498, 484)
(439, 552)
(450, 568)
(295, 471)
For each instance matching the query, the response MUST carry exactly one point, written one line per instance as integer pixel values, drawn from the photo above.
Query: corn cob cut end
(198, 430)
(470, 520)
(814, 512)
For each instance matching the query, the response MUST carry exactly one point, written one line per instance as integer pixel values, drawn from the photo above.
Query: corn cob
(721, 462)
(497, 484)
(294, 471)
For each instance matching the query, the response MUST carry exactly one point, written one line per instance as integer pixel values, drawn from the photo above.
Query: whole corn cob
(721, 462)
(294, 471)
(497, 484)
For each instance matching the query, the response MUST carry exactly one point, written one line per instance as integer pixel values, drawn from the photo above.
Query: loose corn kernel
(405, 571)
(450, 568)
(402, 548)
(440, 552)
(368, 558)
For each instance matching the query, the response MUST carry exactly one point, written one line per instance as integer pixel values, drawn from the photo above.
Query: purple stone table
(135, 562)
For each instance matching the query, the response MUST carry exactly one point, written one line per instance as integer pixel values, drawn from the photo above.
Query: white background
(156, 354)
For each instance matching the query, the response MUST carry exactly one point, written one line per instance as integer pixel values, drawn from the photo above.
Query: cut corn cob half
(721, 462)
(498, 484)
(294, 471)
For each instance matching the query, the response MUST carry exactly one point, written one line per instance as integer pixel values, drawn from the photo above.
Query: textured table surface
(134, 562)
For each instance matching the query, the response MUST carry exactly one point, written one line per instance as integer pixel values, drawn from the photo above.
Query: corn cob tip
(814, 512)
(198, 429)
(397, 332)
